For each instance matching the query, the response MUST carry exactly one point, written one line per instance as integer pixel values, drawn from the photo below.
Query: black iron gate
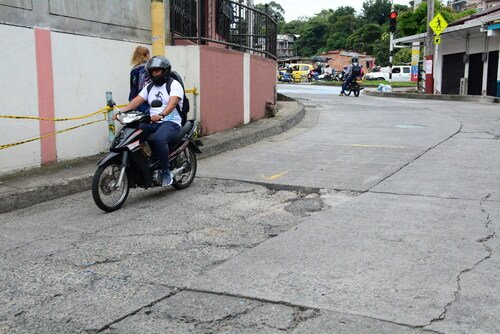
(228, 22)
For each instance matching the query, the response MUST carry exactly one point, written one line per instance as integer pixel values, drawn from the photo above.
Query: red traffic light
(393, 15)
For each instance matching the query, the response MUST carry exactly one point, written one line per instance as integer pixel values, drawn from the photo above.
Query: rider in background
(353, 70)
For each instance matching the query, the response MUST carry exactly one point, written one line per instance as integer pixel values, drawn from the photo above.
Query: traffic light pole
(391, 46)
(429, 50)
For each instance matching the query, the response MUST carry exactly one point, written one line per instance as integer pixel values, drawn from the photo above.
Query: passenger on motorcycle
(165, 120)
(353, 70)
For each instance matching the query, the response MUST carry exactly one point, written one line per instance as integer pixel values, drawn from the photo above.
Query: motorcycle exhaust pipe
(176, 171)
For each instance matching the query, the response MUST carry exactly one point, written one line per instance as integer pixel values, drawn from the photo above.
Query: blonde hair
(140, 55)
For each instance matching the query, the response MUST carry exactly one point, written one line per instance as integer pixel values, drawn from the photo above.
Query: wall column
(45, 82)
(246, 88)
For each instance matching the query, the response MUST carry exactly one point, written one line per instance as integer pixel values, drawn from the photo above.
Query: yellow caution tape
(48, 135)
(193, 91)
(100, 111)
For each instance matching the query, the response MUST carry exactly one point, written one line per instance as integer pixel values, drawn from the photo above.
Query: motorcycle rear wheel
(106, 196)
(186, 177)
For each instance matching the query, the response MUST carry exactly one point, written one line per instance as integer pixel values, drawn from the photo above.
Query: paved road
(372, 216)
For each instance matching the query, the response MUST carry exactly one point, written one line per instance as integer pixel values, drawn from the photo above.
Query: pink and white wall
(52, 74)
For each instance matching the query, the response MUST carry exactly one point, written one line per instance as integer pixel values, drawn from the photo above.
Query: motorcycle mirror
(156, 103)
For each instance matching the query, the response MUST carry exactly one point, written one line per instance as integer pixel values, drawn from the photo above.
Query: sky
(296, 8)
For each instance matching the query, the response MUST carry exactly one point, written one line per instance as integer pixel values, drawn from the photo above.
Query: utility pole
(429, 50)
(158, 27)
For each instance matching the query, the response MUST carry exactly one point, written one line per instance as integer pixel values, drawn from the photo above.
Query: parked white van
(399, 73)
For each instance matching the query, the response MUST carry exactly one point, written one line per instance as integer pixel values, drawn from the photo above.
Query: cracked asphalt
(373, 215)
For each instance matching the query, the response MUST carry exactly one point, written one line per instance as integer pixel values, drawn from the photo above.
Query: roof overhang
(479, 24)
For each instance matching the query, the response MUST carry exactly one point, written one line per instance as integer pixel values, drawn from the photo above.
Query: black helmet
(354, 60)
(158, 62)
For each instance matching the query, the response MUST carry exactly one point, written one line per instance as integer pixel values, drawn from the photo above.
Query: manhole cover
(410, 126)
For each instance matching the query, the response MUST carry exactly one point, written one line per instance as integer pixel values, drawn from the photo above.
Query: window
(304, 68)
(396, 70)
(406, 70)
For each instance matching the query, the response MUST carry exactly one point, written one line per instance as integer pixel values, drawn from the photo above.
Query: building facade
(340, 58)
(286, 46)
(60, 57)
(466, 62)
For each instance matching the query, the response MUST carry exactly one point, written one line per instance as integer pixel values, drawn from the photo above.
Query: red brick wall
(221, 89)
(262, 85)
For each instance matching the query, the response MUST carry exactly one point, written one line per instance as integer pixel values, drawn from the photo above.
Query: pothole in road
(302, 206)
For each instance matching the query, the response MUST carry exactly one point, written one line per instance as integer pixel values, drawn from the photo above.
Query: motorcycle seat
(182, 132)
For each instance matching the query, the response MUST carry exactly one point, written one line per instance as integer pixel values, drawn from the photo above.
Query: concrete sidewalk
(401, 93)
(38, 185)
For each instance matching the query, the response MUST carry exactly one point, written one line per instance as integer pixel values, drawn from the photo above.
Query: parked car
(300, 70)
(399, 73)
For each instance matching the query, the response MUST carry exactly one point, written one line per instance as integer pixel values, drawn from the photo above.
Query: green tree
(415, 22)
(275, 11)
(312, 36)
(376, 11)
(402, 56)
(293, 27)
(381, 50)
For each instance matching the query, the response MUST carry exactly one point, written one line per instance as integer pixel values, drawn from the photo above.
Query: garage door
(475, 74)
(492, 73)
(453, 70)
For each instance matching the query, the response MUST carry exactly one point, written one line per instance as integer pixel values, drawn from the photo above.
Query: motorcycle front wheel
(348, 91)
(187, 160)
(107, 194)
(356, 90)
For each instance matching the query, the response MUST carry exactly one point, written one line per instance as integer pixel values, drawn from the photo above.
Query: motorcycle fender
(108, 157)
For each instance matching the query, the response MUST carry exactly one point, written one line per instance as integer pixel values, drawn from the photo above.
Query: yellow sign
(437, 39)
(438, 24)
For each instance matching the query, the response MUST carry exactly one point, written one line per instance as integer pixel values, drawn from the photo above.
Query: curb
(64, 183)
(249, 134)
(439, 97)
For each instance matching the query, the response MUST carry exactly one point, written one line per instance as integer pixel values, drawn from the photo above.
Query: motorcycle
(311, 77)
(326, 77)
(353, 87)
(285, 77)
(132, 164)
(339, 76)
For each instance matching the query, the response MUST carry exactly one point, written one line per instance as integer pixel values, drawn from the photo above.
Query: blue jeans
(163, 134)
(346, 83)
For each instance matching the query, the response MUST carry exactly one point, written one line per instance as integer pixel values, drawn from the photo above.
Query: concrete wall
(186, 61)
(111, 19)
(19, 97)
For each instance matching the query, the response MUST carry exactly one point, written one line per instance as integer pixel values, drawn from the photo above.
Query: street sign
(438, 24)
(437, 39)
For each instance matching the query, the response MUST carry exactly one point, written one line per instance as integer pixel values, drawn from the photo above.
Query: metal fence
(226, 22)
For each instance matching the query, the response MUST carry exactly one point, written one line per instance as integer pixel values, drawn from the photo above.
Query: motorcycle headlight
(130, 117)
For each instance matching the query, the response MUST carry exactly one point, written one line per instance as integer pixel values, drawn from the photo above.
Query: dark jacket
(138, 79)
